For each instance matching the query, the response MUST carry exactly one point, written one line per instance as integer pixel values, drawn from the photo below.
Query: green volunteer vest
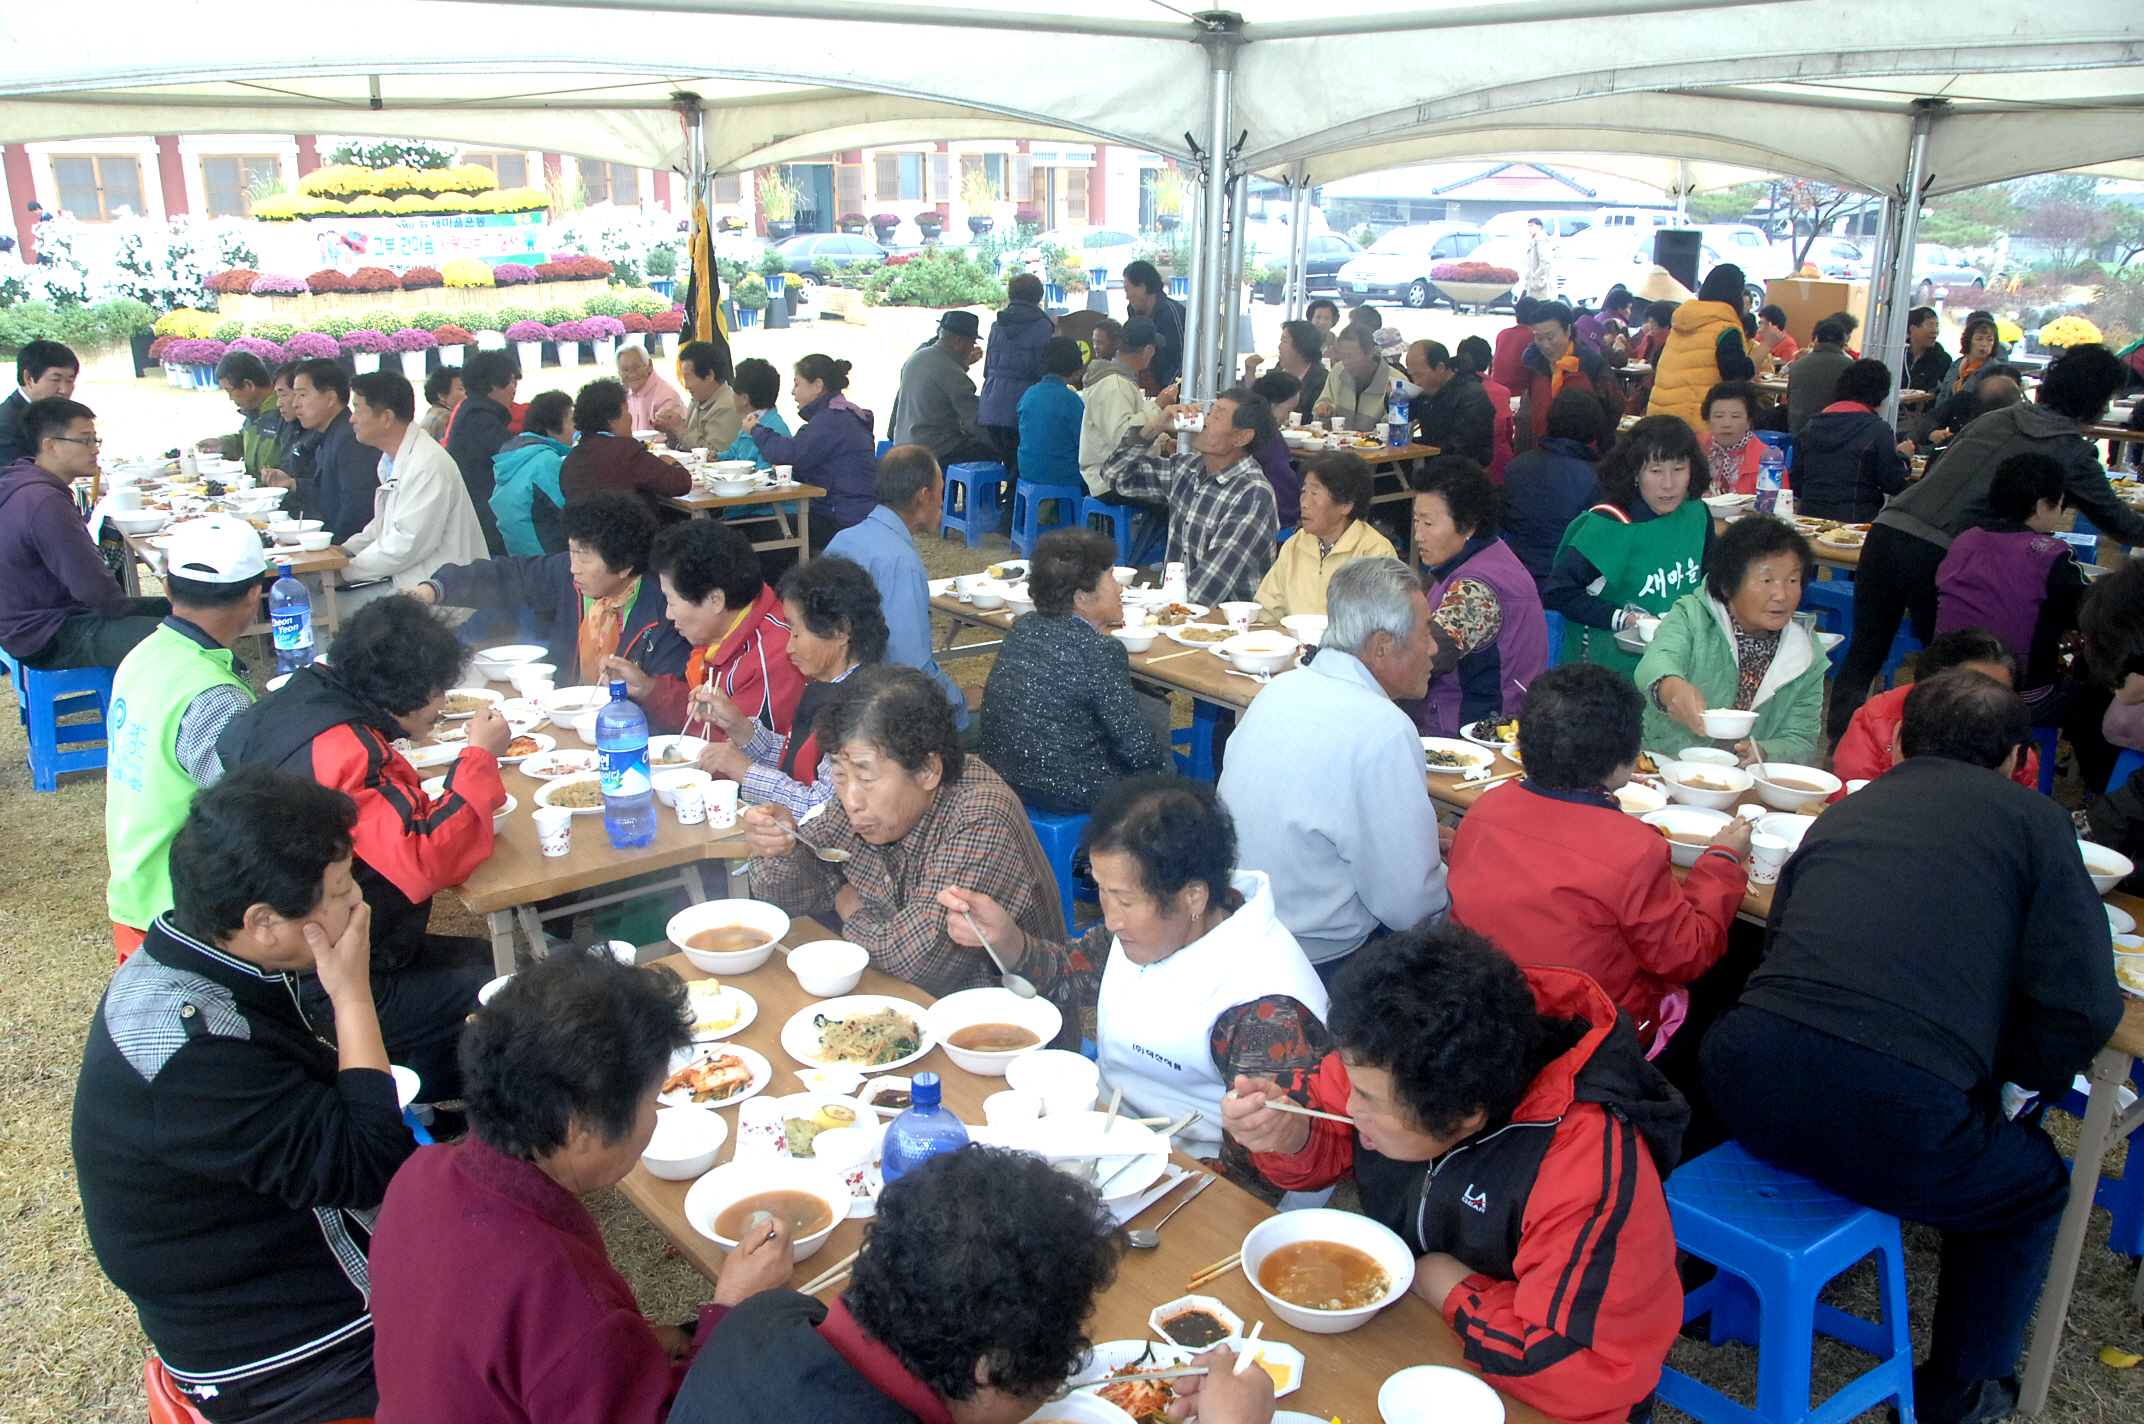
(1650, 564)
(146, 791)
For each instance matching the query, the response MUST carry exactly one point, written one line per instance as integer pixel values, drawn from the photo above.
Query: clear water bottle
(1771, 473)
(922, 1132)
(290, 615)
(622, 749)
(1396, 421)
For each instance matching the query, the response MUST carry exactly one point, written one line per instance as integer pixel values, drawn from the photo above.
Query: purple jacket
(50, 569)
(1492, 679)
(833, 449)
(1272, 457)
(1997, 579)
(1012, 360)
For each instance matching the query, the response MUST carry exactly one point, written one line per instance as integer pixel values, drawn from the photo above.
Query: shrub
(272, 353)
(335, 324)
(123, 317)
(648, 305)
(274, 329)
(194, 351)
(411, 338)
(935, 279)
(589, 267)
(374, 279)
(751, 296)
(662, 260)
(161, 347)
(552, 316)
(237, 279)
(363, 338)
(575, 330)
(605, 304)
(327, 279)
(306, 345)
(634, 321)
(425, 318)
(466, 272)
(552, 271)
(416, 279)
(271, 284)
(528, 331)
(227, 330)
(452, 335)
(492, 320)
(508, 315)
(886, 219)
(508, 274)
(851, 218)
(1470, 272)
(1026, 217)
(673, 321)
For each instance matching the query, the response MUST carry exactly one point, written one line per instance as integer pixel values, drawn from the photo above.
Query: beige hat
(1660, 286)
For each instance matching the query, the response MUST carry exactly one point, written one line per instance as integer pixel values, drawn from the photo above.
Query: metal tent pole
(1239, 195)
(1195, 322)
(1298, 244)
(1222, 37)
(1888, 344)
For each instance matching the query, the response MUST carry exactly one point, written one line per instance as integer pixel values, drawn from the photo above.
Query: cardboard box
(1808, 300)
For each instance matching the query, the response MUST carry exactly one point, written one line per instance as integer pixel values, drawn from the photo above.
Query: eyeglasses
(90, 440)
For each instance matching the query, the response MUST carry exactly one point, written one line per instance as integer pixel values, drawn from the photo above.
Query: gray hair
(1366, 596)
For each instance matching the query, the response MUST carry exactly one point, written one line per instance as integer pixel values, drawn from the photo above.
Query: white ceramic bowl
(828, 967)
(288, 530)
(986, 593)
(1080, 1408)
(729, 489)
(733, 1181)
(495, 663)
(657, 746)
(1646, 628)
(1125, 574)
(685, 1144)
(434, 754)
(314, 543)
(584, 724)
(521, 673)
(1711, 756)
(1135, 640)
(733, 469)
(1307, 627)
(139, 521)
(1788, 828)
(1264, 652)
(1325, 1224)
(562, 703)
(1438, 1394)
(981, 1006)
(1725, 723)
(670, 778)
(1790, 798)
(1067, 1082)
(714, 913)
(1689, 821)
(407, 1084)
(491, 987)
(1017, 601)
(1737, 780)
(2108, 868)
(498, 817)
(1639, 799)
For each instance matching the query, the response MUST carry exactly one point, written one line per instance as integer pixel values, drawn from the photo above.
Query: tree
(1977, 217)
(1812, 207)
(2078, 188)
(2125, 229)
(1726, 204)
(2068, 230)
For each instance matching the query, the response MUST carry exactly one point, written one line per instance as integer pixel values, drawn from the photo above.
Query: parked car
(1747, 246)
(1397, 264)
(1325, 253)
(815, 255)
(1839, 258)
(1587, 265)
(1558, 222)
(1940, 271)
(1107, 248)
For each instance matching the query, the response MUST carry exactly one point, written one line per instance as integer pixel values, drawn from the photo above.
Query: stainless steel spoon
(831, 857)
(1006, 977)
(1147, 1238)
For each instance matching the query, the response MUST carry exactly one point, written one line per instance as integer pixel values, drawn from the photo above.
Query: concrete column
(308, 153)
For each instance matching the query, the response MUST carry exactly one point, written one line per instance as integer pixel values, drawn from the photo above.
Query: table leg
(501, 925)
(532, 928)
(804, 529)
(329, 617)
(2109, 1067)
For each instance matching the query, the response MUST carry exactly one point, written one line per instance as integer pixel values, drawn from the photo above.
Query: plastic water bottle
(922, 1132)
(1771, 473)
(1396, 422)
(290, 615)
(622, 749)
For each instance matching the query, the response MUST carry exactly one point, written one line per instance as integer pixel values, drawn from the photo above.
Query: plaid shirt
(1222, 527)
(974, 834)
(763, 780)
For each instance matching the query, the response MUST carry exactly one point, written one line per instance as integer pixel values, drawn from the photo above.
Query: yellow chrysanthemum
(2068, 331)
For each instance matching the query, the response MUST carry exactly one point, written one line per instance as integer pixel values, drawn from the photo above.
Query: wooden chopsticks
(833, 1275)
(1286, 1106)
(1216, 1270)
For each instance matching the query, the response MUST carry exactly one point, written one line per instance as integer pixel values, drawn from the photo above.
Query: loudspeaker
(1678, 250)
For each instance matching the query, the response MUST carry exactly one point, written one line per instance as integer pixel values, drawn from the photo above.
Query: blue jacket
(1050, 417)
(526, 467)
(544, 585)
(1544, 490)
(744, 447)
(834, 450)
(1012, 360)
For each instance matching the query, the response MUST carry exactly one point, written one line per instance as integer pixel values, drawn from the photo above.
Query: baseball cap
(960, 323)
(1139, 333)
(215, 550)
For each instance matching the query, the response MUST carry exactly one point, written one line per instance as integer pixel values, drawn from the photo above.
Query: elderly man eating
(1324, 775)
(1223, 519)
(647, 395)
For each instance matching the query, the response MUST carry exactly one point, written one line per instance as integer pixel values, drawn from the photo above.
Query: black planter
(1168, 222)
(884, 236)
(778, 316)
(550, 353)
(780, 231)
(1270, 292)
(729, 315)
(140, 343)
(931, 230)
(979, 226)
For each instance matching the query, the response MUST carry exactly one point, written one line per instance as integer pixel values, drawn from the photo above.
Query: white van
(1558, 223)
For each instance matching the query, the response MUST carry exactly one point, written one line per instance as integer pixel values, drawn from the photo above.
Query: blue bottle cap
(923, 1090)
(617, 689)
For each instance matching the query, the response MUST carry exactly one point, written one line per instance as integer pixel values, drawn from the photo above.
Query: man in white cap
(171, 698)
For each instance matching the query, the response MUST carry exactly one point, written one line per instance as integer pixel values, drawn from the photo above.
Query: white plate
(1007, 570)
(1175, 635)
(800, 1037)
(543, 796)
(494, 698)
(762, 1074)
(543, 744)
(559, 763)
(2120, 920)
(1153, 599)
(805, 1104)
(1093, 1371)
(433, 754)
(1468, 732)
(1474, 754)
(748, 1010)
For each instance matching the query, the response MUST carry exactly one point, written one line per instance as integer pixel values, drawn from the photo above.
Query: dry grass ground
(69, 1346)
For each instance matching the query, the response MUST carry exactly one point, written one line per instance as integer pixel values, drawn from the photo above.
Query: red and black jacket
(409, 846)
(1573, 1300)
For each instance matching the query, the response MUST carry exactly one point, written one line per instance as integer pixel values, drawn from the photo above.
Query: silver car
(1940, 271)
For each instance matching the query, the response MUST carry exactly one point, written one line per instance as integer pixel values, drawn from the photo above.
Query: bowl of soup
(2108, 868)
(985, 1030)
(727, 936)
(1326, 1271)
(1786, 786)
(1687, 830)
(723, 1205)
(1698, 784)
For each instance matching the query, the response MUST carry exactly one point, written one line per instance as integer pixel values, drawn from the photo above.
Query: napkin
(1170, 1176)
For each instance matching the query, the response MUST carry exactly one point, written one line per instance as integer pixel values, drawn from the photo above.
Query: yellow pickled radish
(2119, 1359)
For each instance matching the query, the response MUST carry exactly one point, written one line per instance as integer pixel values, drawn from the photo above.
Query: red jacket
(1506, 353)
(1501, 398)
(751, 665)
(1568, 878)
(553, 1332)
(1864, 753)
(1576, 1318)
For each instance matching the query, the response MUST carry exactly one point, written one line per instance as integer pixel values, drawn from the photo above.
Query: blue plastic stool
(1027, 501)
(1060, 841)
(1193, 745)
(2049, 738)
(1833, 602)
(1120, 524)
(1282, 537)
(1778, 1240)
(42, 699)
(883, 447)
(1779, 440)
(1555, 635)
(2125, 766)
(975, 513)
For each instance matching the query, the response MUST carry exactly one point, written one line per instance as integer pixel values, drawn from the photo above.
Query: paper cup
(721, 804)
(1134, 615)
(690, 799)
(1011, 1108)
(126, 499)
(1853, 786)
(554, 829)
(1752, 811)
(625, 952)
(1766, 855)
(784, 472)
(759, 1127)
(1239, 614)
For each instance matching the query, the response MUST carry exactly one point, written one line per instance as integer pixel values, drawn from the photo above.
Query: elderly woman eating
(914, 814)
(1060, 718)
(1192, 977)
(835, 626)
(1493, 638)
(1735, 644)
(1335, 522)
(563, 1066)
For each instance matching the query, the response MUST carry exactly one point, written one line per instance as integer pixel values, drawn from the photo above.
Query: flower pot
(1053, 294)
(780, 231)
(850, 228)
(778, 315)
(777, 284)
(884, 236)
(140, 344)
(662, 286)
(413, 366)
(931, 230)
(204, 378)
(176, 376)
(1270, 292)
(569, 353)
(491, 341)
(460, 355)
(606, 350)
(530, 354)
(1168, 222)
(747, 318)
(1472, 294)
(979, 226)
(636, 339)
(667, 342)
(366, 361)
(1097, 279)
(1179, 286)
